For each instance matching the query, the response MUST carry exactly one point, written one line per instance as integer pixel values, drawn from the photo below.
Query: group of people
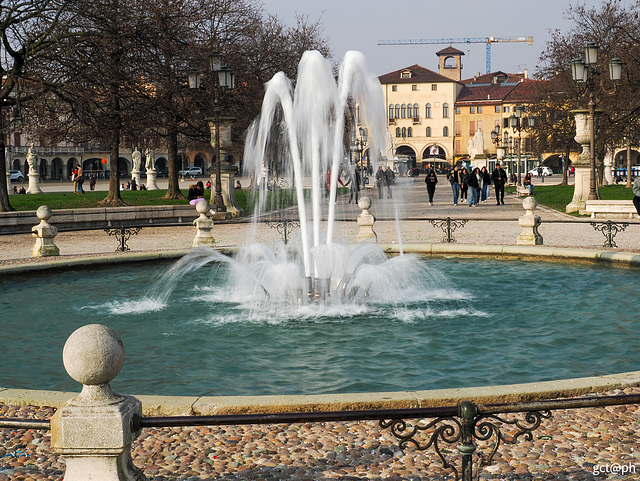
(21, 190)
(133, 185)
(384, 181)
(196, 192)
(472, 186)
(77, 177)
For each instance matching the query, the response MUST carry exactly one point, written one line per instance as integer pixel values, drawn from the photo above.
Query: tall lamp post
(361, 143)
(495, 138)
(519, 123)
(584, 72)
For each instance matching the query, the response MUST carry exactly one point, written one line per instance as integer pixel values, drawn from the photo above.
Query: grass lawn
(558, 196)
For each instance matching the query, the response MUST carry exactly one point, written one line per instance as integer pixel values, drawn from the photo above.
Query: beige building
(420, 109)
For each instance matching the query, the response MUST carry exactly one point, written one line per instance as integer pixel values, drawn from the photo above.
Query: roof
(418, 75)
(497, 87)
(499, 77)
(450, 51)
(495, 93)
(525, 91)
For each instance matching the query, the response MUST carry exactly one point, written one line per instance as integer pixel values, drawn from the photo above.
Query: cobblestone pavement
(574, 445)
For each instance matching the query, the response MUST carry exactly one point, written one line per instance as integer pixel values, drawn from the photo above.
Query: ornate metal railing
(465, 425)
(609, 229)
(448, 226)
(284, 228)
(122, 234)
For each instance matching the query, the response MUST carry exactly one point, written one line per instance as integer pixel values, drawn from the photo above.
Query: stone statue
(150, 162)
(137, 159)
(476, 144)
(31, 160)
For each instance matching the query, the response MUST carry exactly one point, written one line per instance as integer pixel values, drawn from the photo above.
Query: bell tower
(450, 63)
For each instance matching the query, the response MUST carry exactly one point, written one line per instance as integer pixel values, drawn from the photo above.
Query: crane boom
(486, 40)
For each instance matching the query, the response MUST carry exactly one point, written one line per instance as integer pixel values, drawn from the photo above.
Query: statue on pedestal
(136, 157)
(31, 160)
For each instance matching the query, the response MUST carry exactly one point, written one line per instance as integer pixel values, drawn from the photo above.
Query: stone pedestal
(94, 431)
(529, 223)
(582, 163)
(135, 175)
(151, 180)
(34, 183)
(44, 234)
(203, 225)
(227, 177)
(366, 221)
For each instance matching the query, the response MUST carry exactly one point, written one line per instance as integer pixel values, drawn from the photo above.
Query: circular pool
(462, 323)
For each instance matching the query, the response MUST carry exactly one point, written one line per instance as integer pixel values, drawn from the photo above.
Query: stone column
(529, 223)
(34, 183)
(44, 234)
(151, 180)
(135, 175)
(583, 162)
(203, 225)
(366, 221)
(227, 177)
(94, 431)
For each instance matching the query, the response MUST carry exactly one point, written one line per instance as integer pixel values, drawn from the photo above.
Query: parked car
(546, 171)
(190, 172)
(16, 175)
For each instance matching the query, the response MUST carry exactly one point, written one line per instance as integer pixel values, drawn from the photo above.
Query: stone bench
(610, 209)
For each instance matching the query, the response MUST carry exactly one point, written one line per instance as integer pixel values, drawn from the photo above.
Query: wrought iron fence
(466, 425)
(609, 229)
(122, 234)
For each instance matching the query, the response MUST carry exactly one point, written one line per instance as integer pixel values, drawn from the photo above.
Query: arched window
(409, 111)
(404, 111)
(391, 112)
(445, 110)
(410, 132)
(427, 111)
(416, 111)
(404, 131)
(397, 116)
(428, 131)
(445, 131)
(397, 131)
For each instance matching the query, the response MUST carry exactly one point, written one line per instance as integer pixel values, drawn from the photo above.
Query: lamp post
(361, 143)
(495, 138)
(519, 123)
(584, 72)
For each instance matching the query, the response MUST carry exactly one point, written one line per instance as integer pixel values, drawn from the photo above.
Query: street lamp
(584, 73)
(519, 123)
(495, 138)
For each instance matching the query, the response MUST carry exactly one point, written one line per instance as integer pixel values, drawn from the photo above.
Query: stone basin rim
(218, 405)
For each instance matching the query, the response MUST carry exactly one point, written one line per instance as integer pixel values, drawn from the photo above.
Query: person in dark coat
(499, 177)
(431, 180)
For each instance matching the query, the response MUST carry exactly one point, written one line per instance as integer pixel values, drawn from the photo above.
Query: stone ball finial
(44, 212)
(93, 355)
(529, 203)
(202, 206)
(364, 202)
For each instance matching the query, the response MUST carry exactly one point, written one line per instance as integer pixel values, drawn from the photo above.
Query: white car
(546, 171)
(16, 175)
(190, 172)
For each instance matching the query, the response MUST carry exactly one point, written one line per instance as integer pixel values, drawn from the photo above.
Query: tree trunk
(628, 186)
(113, 199)
(5, 205)
(173, 190)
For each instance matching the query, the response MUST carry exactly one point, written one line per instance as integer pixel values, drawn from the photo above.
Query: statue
(476, 144)
(31, 160)
(137, 160)
(150, 162)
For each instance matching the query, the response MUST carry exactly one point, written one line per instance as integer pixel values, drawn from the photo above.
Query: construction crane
(486, 40)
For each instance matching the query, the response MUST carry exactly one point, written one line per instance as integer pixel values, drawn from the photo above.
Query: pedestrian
(353, 182)
(431, 180)
(636, 195)
(499, 177)
(380, 181)
(464, 187)
(486, 182)
(389, 180)
(92, 182)
(528, 183)
(455, 179)
(473, 184)
(74, 179)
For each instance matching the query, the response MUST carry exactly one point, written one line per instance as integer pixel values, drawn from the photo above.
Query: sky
(359, 25)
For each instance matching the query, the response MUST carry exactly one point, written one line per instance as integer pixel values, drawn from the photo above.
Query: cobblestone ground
(575, 444)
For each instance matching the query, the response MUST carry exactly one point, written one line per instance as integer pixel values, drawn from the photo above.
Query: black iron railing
(609, 229)
(123, 234)
(448, 226)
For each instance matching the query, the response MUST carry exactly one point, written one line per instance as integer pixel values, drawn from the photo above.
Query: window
(410, 132)
(457, 146)
(391, 112)
(458, 110)
(458, 128)
(505, 109)
(405, 75)
(505, 123)
(394, 88)
(472, 110)
(403, 111)
(409, 111)
(416, 112)
(397, 116)
(472, 128)
(434, 86)
(445, 110)
(479, 109)
(404, 131)
(497, 109)
(427, 111)
(414, 88)
(398, 132)
(445, 131)
(428, 131)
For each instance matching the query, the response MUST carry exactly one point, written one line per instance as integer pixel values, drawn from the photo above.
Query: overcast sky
(359, 25)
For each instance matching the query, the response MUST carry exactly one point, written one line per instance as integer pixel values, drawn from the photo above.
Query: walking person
(353, 183)
(499, 177)
(636, 195)
(380, 181)
(473, 183)
(464, 186)
(431, 180)
(486, 182)
(455, 178)
(390, 178)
